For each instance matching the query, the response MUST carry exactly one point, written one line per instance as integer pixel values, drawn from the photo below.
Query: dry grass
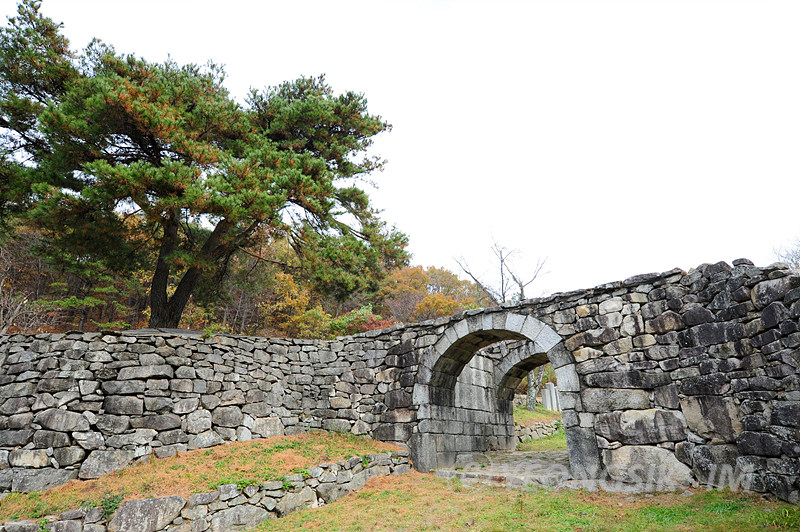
(242, 463)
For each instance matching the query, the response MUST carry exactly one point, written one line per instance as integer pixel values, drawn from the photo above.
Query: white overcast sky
(611, 137)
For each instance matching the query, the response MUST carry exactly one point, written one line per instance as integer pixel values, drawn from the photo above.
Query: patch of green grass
(525, 417)
(554, 442)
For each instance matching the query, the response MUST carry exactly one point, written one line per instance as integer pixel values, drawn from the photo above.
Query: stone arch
(446, 429)
(458, 343)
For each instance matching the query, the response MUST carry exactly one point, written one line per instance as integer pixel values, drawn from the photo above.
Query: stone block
(567, 378)
(584, 455)
(123, 405)
(62, 420)
(27, 480)
(608, 399)
(628, 379)
(715, 465)
(101, 463)
(227, 416)
(641, 426)
(146, 515)
(713, 417)
(643, 464)
(145, 372)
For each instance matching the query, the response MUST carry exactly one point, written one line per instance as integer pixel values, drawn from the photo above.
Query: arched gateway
(460, 412)
(675, 377)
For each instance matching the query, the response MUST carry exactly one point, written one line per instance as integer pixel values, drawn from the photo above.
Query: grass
(242, 463)
(556, 441)
(424, 502)
(526, 418)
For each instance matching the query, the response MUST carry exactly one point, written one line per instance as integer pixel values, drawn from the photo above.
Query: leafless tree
(17, 307)
(790, 255)
(512, 283)
(511, 288)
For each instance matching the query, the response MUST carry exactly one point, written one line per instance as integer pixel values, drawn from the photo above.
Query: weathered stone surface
(145, 372)
(295, 501)
(110, 424)
(641, 426)
(123, 405)
(205, 439)
(669, 321)
(786, 413)
(608, 399)
(268, 427)
(242, 517)
(227, 416)
(667, 396)
(137, 437)
(62, 420)
(159, 423)
(66, 456)
(713, 417)
(33, 458)
(627, 379)
(766, 292)
(101, 463)
(123, 387)
(654, 466)
(40, 479)
(146, 515)
(715, 465)
(759, 444)
(708, 334)
(15, 438)
(584, 455)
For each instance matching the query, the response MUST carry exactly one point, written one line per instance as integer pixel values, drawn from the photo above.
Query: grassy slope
(526, 418)
(242, 463)
(424, 502)
(556, 441)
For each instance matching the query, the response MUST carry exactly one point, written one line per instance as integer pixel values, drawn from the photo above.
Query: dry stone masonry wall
(693, 375)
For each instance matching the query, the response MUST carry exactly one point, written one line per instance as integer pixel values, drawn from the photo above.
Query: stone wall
(694, 373)
(534, 431)
(228, 507)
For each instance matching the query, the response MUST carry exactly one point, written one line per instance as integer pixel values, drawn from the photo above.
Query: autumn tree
(125, 163)
(418, 294)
